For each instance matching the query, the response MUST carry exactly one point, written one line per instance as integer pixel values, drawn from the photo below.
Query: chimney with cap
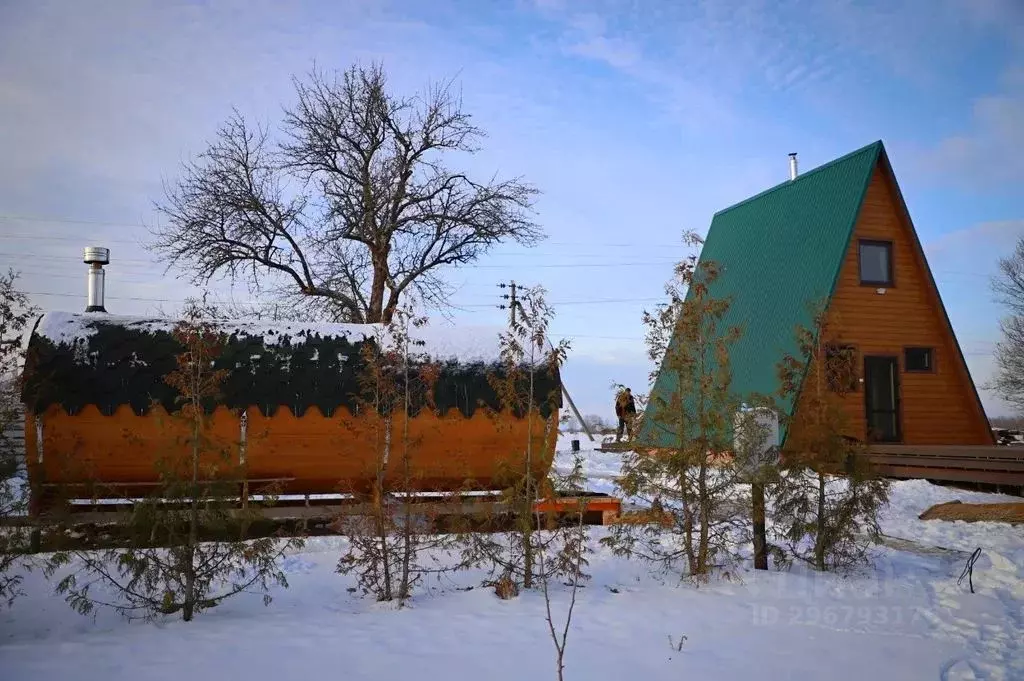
(792, 166)
(96, 257)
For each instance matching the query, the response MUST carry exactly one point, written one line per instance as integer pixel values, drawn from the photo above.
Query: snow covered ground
(904, 619)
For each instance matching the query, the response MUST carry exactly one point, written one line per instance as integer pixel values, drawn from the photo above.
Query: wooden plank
(939, 462)
(100, 485)
(953, 451)
(952, 475)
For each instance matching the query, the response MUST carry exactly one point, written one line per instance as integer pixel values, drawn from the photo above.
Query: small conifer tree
(827, 498)
(682, 466)
(168, 567)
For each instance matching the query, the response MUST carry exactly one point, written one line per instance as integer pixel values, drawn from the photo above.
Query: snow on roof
(466, 344)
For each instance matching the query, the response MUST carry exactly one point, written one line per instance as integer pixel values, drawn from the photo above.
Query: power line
(525, 254)
(563, 333)
(63, 258)
(70, 221)
(49, 237)
(477, 305)
(648, 263)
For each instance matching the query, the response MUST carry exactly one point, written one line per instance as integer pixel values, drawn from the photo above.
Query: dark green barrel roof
(108, 361)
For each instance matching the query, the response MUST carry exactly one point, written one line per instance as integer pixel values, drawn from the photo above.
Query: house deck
(953, 463)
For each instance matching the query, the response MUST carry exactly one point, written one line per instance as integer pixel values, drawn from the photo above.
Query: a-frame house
(841, 235)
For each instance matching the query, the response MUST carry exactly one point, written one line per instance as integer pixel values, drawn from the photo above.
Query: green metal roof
(778, 253)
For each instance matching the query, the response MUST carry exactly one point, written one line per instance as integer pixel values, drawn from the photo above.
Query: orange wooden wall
(340, 453)
(938, 407)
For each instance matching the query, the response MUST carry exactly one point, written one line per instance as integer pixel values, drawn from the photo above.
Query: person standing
(625, 411)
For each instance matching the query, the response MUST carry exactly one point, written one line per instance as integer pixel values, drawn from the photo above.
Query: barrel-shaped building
(292, 408)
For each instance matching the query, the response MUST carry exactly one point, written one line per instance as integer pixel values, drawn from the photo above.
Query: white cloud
(995, 238)
(990, 152)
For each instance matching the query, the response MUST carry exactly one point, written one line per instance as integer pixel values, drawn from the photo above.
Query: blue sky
(636, 119)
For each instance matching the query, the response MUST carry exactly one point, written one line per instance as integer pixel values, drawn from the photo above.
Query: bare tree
(351, 208)
(595, 422)
(15, 314)
(1009, 287)
(574, 559)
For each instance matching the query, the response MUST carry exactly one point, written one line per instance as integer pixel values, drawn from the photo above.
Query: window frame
(931, 359)
(891, 283)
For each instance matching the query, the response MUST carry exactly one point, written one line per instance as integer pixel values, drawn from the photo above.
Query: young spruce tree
(686, 474)
(168, 567)
(827, 498)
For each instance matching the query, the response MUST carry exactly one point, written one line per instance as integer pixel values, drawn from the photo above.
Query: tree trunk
(820, 539)
(407, 539)
(691, 556)
(382, 533)
(375, 313)
(527, 539)
(760, 534)
(193, 523)
(705, 518)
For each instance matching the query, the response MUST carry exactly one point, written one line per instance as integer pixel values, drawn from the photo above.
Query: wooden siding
(309, 454)
(938, 407)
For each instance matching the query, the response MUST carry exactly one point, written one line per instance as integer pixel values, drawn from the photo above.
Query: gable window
(841, 368)
(876, 263)
(918, 359)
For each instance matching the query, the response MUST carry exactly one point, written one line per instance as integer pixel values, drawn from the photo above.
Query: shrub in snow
(387, 540)
(535, 548)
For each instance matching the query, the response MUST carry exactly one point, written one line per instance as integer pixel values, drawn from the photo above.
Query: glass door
(882, 398)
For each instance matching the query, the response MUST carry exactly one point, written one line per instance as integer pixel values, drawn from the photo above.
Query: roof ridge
(788, 183)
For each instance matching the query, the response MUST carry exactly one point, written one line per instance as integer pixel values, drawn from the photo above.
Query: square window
(917, 359)
(876, 263)
(841, 368)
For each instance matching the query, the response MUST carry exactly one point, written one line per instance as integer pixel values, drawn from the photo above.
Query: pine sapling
(683, 469)
(827, 498)
(189, 549)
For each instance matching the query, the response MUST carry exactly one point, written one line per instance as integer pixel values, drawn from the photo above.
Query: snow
(905, 618)
(466, 344)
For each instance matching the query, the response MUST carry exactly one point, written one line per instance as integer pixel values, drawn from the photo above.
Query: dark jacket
(624, 405)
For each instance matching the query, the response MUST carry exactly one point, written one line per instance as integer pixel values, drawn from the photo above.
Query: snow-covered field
(905, 619)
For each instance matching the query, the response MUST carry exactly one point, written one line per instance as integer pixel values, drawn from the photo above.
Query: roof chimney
(96, 257)
(792, 166)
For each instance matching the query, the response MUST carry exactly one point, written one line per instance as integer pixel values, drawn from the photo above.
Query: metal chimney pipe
(792, 166)
(96, 257)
